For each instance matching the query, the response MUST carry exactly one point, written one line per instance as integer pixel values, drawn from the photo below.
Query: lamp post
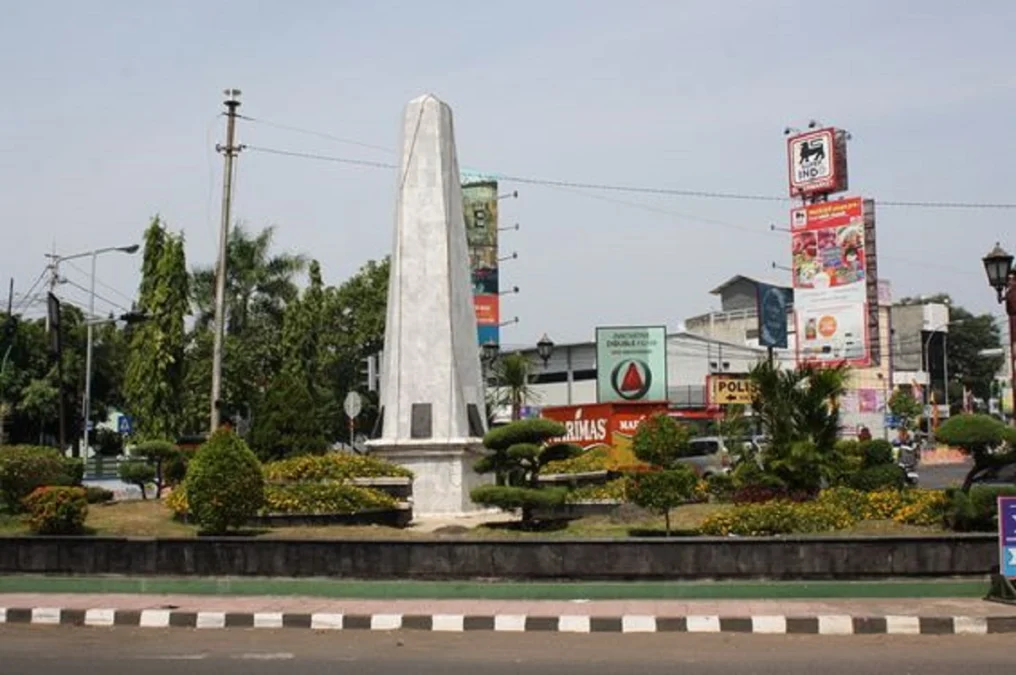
(998, 265)
(86, 402)
(926, 358)
(545, 347)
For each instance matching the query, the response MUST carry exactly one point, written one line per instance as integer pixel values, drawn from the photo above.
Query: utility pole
(230, 150)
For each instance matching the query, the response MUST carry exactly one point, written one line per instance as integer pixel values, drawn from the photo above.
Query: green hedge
(333, 466)
(224, 485)
(57, 510)
(23, 468)
(320, 498)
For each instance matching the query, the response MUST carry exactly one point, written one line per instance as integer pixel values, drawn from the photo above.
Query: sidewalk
(828, 617)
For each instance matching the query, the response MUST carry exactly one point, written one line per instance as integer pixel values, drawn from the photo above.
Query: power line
(98, 281)
(642, 189)
(99, 297)
(325, 158)
(318, 134)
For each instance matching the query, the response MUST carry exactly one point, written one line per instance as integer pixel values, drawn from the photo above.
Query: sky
(111, 109)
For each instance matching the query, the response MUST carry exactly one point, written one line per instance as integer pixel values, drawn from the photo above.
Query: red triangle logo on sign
(632, 379)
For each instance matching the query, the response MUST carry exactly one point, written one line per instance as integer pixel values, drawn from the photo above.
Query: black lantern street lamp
(545, 347)
(998, 265)
(1002, 277)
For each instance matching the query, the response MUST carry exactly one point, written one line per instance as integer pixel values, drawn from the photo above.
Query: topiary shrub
(877, 452)
(23, 468)
(661, 491)
(661, 440)
(159, 455)
(520, 450)
(976, 510)
(982, 437)
(721, 487)
(225, 486)
(57, 510)
(139, 473)
(879, 477)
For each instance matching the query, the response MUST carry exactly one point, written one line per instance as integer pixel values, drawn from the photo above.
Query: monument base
(443, 474)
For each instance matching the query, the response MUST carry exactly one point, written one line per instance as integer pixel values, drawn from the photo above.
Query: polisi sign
(731, 390)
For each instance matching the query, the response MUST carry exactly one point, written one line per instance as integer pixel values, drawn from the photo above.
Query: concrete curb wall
(457, 623)
(840, 558)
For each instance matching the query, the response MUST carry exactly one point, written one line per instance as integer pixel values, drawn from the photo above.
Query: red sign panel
(487, 309)
(816, 162)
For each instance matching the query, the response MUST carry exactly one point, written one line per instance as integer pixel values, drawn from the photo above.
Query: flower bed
(333, 467)
(834, 509)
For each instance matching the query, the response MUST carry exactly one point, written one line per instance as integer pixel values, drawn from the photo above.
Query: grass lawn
(152, 519)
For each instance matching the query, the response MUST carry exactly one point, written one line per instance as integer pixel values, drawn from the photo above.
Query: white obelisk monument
(432, 393)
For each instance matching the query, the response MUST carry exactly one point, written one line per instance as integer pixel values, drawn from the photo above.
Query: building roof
(739, 278)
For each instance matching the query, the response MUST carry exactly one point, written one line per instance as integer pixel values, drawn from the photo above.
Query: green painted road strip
(412, 590)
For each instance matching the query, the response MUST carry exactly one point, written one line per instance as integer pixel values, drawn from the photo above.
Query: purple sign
(1007, 536)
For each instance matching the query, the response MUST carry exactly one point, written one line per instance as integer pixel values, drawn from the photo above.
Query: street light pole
(998, 265)
(86, 399)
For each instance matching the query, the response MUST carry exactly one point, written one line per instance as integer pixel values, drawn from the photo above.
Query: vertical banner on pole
(479, 207)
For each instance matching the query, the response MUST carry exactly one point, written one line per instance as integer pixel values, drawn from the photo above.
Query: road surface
(941, 476)
(57, 651)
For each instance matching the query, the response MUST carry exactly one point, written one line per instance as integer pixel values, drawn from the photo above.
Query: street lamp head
(998, 266)
(489, 351)
(545, 347)
(132, 249)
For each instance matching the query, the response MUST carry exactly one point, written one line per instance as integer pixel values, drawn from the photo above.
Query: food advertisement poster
(830, 282)
(479, 206)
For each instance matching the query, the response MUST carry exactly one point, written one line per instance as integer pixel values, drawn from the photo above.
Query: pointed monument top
(426, 98)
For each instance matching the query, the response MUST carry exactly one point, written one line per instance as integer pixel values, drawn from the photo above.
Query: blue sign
(1007, 536)
(773, 303)
(892, 421)
(124, 426)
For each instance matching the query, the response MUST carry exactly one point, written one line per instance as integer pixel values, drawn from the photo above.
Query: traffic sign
(1007, 536)
(124, 425)
(730, 390)
(353, 404)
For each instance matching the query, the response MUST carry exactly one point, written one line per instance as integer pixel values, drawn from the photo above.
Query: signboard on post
(124, 425)
(479, 208)
(631, 363)
(353, 404)
(817, 162)
(773, 303)
(1007, 537)
(730, 390)
(830, 277)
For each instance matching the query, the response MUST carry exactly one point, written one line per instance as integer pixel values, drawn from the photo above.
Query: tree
(512, 374)
(982, 437)
(256, 281)
(664, 490)
(155, 371)
(285, 423)
(137, 472)
(157, 455)
(905, 407)
(661, 441)
(799, 413)
(520, 450)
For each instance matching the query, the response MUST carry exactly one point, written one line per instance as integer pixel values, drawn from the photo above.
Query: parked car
(709, 456)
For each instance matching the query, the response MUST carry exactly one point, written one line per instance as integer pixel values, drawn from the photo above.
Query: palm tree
(256, 281)
(801, 404)
(512, 374)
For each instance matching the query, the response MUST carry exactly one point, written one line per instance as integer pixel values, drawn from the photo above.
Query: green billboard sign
(631, 363)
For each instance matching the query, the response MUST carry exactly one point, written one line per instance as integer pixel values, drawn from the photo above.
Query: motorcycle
(908, 457)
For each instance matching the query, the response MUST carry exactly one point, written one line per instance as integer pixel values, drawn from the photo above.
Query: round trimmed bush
(878, 452)
(225, 486)
(57, 510)
(880, 477)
